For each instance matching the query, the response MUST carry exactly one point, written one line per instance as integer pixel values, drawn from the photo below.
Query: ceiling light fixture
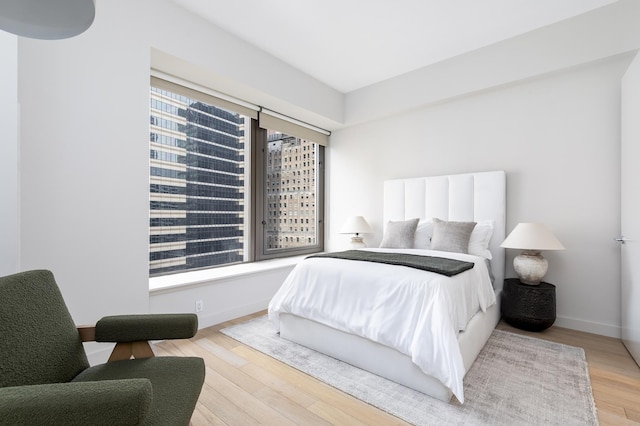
(46, 19)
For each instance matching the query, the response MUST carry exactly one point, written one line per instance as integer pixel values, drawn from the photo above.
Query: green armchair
(45, 378)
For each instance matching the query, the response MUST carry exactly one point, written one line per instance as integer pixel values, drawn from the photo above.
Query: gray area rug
(516, 380)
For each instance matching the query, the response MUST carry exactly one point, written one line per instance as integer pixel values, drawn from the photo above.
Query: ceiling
(350, 44)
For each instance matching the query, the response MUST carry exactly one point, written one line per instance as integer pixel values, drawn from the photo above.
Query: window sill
(207, 276)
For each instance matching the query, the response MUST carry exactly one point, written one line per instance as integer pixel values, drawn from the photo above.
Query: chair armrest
(135, 328)
(109, 402)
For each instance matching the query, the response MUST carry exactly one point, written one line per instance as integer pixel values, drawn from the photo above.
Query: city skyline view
(198, 191)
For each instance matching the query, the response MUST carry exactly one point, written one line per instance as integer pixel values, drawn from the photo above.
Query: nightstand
(528, 307)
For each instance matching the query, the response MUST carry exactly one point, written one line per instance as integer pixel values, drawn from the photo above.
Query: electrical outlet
(199, 306)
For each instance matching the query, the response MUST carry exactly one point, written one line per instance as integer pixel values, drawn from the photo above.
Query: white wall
(558, 139)
(84, 148)
(544, 107)
(223, 299)
(9, 153)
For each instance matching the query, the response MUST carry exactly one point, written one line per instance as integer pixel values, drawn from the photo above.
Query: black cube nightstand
(528, 307)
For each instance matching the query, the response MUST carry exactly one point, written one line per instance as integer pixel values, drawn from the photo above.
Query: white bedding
(417, 313)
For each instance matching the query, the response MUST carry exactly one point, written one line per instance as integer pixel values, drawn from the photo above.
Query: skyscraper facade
(291, 192)
(197, 188)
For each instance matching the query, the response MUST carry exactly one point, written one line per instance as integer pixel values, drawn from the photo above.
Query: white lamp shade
(532, 236)
(356, 225)
(47, 20)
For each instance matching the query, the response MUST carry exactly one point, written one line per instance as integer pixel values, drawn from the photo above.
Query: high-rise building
(197, 197)
(291, 192)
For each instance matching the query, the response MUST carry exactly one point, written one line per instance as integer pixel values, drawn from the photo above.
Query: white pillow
(480, 238)
(424, 232)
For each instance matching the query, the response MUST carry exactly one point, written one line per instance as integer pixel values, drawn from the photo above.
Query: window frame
(259, 202)
(255, 174)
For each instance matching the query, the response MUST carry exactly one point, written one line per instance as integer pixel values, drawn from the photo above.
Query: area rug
(516, 380)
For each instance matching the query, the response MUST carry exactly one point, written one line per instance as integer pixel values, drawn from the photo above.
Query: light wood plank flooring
(246, 387)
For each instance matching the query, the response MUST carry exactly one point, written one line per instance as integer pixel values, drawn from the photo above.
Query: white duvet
(415, 312)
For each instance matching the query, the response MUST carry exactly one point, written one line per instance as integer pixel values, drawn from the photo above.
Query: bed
(437, 367)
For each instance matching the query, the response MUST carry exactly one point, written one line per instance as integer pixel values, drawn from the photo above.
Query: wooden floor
(246, 387)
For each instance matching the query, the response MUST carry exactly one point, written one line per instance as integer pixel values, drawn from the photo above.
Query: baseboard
(209, 320)
(588, 326)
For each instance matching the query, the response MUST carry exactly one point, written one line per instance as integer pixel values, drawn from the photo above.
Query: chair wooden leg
(128, 350)
(142, 350)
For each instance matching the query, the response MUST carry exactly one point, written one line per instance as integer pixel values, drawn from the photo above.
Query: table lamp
(530, 265)
(356, 225)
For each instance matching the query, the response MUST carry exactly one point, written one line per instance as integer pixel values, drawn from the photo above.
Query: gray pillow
(451, 236)
(399, 234)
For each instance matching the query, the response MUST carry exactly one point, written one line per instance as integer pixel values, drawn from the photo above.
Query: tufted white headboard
(461, 197)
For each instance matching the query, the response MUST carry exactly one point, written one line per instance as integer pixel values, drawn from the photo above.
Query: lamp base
(530, 267)
(357, 242)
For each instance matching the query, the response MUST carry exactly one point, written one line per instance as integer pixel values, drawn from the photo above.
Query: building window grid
(284, 164)
(177, 126)
(193, 146)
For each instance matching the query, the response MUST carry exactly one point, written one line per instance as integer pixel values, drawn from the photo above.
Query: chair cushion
(176, 383)
(104, 403)
(39, 340)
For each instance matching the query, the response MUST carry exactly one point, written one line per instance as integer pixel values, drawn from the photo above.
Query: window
(228, 186)
(285, 176)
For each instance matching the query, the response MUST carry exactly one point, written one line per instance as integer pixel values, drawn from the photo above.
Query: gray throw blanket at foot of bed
(439, 265)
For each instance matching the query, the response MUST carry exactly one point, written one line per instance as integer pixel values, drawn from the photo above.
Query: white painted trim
(608, 330)
(215, 318)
